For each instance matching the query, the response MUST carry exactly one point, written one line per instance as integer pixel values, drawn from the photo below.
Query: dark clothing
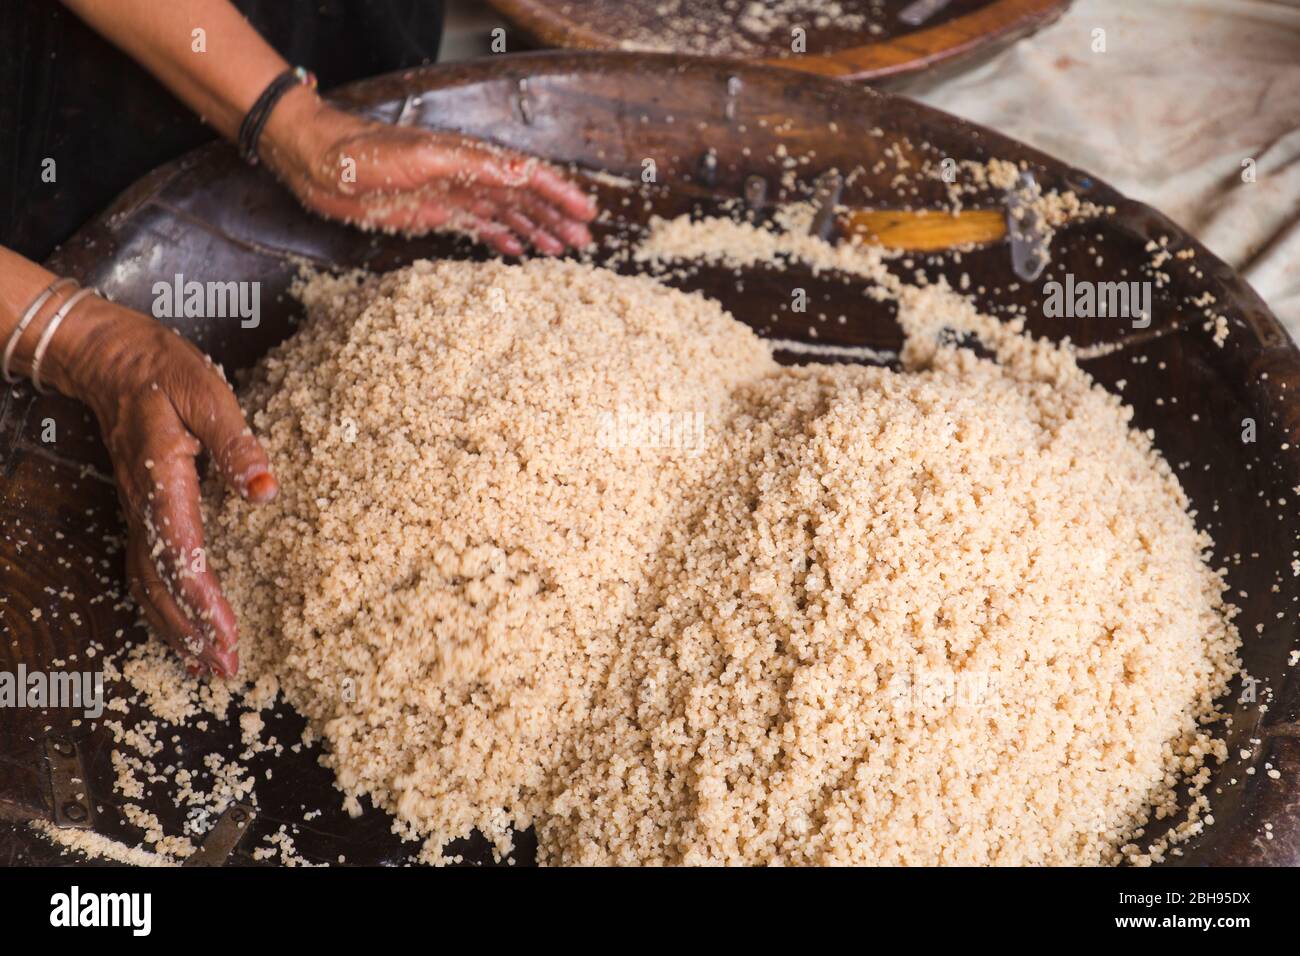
(68, 95)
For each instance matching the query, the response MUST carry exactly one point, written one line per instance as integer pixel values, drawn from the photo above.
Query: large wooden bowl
(209, 217)
(884, 47)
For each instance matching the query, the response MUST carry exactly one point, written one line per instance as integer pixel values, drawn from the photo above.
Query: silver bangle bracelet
(26, 320)
(48, 334)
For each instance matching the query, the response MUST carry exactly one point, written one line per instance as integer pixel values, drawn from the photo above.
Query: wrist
(89, 331)
(289, 139)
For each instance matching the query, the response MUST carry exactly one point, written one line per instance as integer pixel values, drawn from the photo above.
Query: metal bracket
(524, 101)
(707, 170)
(69, 791)
(914, 14)
(1030, 251)
(224, 837)
(408, 114)
(826, 197)
(734, 86)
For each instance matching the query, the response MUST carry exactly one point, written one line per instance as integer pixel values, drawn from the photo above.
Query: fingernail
(578, 236)
(262, 487)
(225, 663)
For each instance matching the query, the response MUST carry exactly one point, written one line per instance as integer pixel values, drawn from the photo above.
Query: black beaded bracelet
(250, 130)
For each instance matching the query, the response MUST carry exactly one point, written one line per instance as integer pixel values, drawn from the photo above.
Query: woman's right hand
(416, 180)
(159, 402)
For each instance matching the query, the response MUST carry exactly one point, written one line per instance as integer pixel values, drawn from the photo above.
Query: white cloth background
(1185, 90)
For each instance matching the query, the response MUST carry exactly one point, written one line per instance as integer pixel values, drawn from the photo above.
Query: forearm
(219, 78)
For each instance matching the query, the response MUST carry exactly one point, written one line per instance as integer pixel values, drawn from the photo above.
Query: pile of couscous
(564, 548)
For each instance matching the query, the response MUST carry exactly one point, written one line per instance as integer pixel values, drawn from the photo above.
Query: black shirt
(68, 95)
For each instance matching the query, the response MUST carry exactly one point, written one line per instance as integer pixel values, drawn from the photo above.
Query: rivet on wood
(826, 196)
(707, 173)
(524, 102)
(915, 14)
(734, 86)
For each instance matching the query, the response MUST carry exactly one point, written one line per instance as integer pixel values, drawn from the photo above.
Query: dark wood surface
(211, 218)
(880, 47)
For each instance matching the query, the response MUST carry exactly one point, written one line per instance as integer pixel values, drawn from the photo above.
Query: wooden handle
(925, 231)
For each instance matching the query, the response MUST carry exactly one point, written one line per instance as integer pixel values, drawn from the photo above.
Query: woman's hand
(415, 181)
(160, 401)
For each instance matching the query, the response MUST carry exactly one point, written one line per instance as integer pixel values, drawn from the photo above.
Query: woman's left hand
(414, 180)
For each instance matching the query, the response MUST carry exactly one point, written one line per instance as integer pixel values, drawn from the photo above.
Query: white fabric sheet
(1184, 92)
